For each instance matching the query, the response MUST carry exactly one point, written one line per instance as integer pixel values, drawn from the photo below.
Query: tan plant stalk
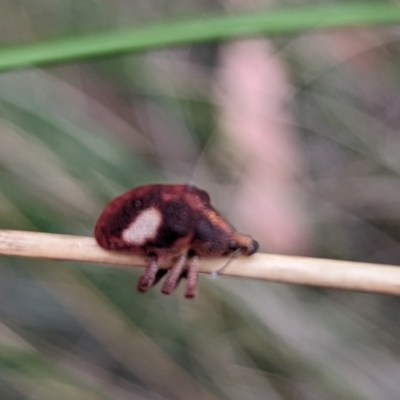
(347, 275)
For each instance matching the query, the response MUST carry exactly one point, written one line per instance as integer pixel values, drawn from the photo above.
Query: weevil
(164, 222)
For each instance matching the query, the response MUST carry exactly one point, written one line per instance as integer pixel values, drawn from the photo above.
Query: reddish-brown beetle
(169, 222)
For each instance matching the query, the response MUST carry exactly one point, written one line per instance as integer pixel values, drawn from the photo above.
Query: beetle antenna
(217, 272)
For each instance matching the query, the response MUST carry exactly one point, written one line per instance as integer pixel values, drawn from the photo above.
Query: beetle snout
(245, 243)
(252, 248)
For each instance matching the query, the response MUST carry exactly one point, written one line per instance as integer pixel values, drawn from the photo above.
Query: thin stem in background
(204, 29)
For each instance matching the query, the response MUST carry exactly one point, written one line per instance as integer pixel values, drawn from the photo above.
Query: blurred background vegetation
(296, 140)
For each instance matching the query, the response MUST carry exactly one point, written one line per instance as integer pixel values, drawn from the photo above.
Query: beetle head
(243, 244)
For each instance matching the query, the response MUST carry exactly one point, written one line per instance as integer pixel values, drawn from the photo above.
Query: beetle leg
(192, 278)
(148, 279)
(174, 275)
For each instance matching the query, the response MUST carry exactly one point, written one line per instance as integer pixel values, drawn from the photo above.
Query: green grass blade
(199, 30)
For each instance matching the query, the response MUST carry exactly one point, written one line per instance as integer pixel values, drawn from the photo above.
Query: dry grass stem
(347, 275)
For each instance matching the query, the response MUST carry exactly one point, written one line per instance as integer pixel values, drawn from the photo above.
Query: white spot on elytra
(144, 226)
